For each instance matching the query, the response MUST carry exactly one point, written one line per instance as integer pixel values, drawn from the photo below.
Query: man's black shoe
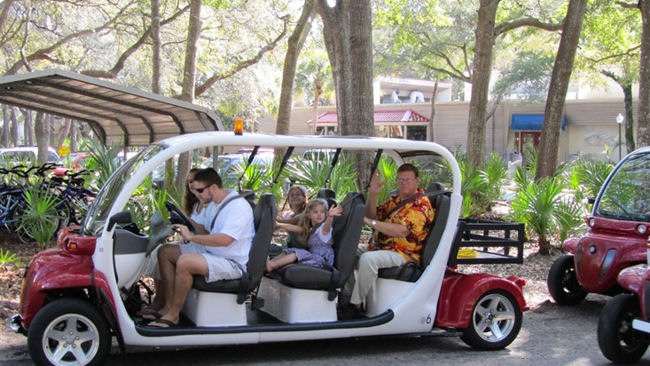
(349, 311)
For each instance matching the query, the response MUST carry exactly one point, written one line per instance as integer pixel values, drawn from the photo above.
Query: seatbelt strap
(227, 201)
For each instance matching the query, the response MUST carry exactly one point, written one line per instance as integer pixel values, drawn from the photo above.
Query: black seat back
(249, 196)
(328, 195)
(264, 216)
(346, 234)
(440, 203)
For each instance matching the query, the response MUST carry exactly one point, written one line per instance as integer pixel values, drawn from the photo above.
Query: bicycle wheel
(9, 201)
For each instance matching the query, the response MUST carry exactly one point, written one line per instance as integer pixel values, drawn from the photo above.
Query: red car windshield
(627, 193)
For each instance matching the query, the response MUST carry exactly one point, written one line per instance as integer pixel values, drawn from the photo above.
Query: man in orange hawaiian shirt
(400, 233)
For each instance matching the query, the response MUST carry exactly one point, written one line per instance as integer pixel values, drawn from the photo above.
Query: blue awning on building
(532, 122)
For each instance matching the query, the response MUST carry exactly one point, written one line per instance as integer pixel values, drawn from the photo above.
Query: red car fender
(633, 278)
(460, 292)
(571, 245)
(54, 270)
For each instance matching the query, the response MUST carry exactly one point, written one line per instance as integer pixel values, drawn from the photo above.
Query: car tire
(617, 340)
(562, 282)
(495, 322)
(49, 336)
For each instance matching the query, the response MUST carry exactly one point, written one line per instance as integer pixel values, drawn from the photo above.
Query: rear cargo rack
(487, 242)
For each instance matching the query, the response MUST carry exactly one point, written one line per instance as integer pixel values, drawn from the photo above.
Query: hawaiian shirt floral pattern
(417, 215)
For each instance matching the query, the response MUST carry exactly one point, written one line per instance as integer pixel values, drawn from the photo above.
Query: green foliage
(103, 161)
(592, 174)
(525, 173)
(253, 176)
(480, 187)
(527, 76)
(313, 173)
(535, 205)
(568, 216)
(7, 257)
(41, 218)
(388, 170)
(495, 173)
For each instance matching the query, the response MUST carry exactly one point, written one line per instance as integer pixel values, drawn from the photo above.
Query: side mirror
(123, 217)
(591, 200)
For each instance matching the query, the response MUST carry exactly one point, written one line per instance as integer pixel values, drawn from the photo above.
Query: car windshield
(98, 212)
(627, 194)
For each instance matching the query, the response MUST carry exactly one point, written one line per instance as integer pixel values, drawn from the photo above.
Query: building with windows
(589, 126)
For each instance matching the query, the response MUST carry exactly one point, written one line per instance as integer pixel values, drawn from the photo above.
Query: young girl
(314, 227)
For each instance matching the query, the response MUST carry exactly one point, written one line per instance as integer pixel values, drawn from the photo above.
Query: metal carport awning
(115, 113)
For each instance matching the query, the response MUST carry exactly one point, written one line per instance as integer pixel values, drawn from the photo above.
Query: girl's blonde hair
(305, 221)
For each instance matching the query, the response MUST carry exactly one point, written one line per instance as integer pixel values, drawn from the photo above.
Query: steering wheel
(160, 231)
(177, 216)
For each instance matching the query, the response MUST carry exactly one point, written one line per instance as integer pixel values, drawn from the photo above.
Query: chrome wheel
(69, 332)
(493, 317)
(70, 339)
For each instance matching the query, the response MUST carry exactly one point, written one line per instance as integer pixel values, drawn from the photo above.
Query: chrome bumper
(16, 325)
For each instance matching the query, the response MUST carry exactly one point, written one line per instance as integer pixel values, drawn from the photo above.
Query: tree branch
(243, 64)
(526, 22)
(629, 52)
(41, 53)
(624, 4)
(119, 65)
(5, 10)
(447, 72)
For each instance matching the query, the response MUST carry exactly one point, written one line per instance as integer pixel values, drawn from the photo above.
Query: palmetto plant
(388, 170)
(494, 175)
(313, 174)
(569, 214)
(102, 161)
(592, 174)
(41, 219)
(6, 257)
(536, 205)
(473, 188)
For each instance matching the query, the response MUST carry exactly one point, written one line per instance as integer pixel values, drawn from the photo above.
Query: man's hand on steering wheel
(184, 231)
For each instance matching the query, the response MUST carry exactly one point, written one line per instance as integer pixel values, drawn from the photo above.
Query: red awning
(403, 115)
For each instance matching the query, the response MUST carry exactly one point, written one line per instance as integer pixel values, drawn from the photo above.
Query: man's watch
(373, 223)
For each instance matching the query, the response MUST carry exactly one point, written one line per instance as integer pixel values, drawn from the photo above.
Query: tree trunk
(28, 127)
(544, 246)
(14, 126)
(643, 132)
(189, 75)
(430, 131)
(73, 136)
(155, 45)
(363, 118)
(42, 133)
(629, 117)
(548, 147)
(485, 35)
(65, 132)
(626, 86)
(347, 30)
(294, 46)
(6, 126)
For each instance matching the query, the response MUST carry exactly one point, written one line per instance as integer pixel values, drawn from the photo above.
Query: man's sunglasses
(200, 190)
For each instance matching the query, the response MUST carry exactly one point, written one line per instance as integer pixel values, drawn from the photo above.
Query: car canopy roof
(117, 114)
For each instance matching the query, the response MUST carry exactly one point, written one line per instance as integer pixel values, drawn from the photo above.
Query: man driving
(218, 249)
